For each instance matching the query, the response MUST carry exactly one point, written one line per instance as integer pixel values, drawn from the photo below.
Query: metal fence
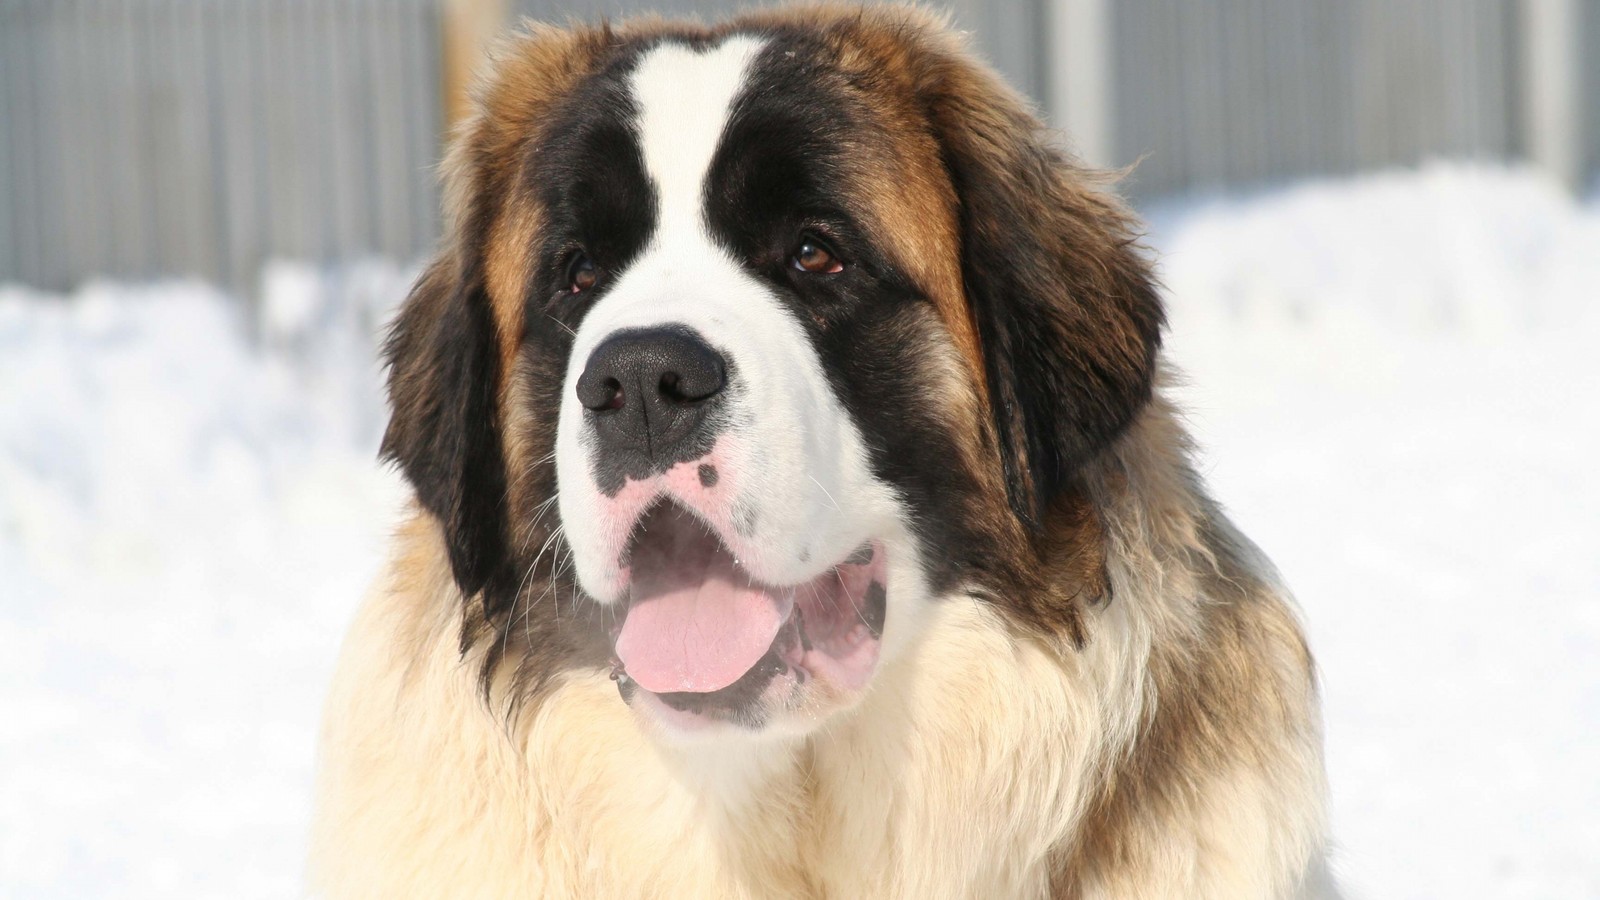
(1587, 51)
(173, 137)
(1246, 91)
(143, 138)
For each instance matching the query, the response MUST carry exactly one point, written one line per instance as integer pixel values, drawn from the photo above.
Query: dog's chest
(927, 790)
(854, 812)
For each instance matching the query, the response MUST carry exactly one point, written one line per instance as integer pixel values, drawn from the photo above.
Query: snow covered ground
(1394, 380)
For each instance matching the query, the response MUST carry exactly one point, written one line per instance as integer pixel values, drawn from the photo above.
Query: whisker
(555, 535)
(511, 617)
(563, 325)
(539, 513)
(845, 590)
(555, 576)
(824, 491)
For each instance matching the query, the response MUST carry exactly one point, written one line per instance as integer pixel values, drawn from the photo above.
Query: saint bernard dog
(798, 513)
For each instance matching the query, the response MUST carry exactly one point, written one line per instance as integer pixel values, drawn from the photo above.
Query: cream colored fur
(968, 771)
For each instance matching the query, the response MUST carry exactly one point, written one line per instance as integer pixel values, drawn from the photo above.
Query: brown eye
(814, 256)
(581, 273)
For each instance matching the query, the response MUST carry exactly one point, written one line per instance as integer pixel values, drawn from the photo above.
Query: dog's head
(750, 342)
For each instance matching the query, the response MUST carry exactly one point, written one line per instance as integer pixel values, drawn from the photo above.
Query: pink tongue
(697, 622)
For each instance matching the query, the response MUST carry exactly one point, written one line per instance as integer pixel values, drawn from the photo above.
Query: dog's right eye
(815, 257)
(582, 273)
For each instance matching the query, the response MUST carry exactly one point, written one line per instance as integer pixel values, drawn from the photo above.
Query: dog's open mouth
(705, 637)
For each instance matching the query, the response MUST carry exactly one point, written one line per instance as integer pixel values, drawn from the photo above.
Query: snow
(1395, 384)
(1392, 378)
(185, 526)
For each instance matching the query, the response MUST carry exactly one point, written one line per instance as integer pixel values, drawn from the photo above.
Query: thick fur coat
(1078, 680)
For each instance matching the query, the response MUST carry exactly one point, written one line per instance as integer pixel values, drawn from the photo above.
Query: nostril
(671, 386)
(601, 393)
(692, 386)
(694, 377)
(615, 399)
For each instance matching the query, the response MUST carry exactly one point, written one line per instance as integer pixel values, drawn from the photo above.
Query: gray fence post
(1552, 114)
(1078, 77)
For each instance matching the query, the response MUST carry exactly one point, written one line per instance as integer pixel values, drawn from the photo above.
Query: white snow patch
(185, 527)
(1394, 383)
(1392, 378)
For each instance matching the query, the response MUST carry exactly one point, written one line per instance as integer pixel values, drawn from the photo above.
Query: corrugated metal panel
(201, 137)
(168, 137)
(11, 151)
(1251, 91)
(1591, 94)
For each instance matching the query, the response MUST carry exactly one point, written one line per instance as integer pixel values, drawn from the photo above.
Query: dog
(798, 512)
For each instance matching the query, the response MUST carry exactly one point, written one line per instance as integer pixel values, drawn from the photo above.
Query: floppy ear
(1066, 310)
(444, 429)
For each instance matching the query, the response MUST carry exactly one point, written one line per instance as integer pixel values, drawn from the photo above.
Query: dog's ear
(444, 428)
(445, 351)
(1067, 313)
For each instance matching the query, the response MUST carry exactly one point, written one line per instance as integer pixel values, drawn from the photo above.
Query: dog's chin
(702, 648)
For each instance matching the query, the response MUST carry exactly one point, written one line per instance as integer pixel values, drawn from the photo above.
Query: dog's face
(751, 343)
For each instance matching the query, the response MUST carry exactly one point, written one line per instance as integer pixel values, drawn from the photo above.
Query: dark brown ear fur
(1066, 310)
(448, 350)
(444, 431)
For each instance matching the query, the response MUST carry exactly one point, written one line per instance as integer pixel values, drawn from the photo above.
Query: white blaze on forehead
(684, 98)
(795, 493)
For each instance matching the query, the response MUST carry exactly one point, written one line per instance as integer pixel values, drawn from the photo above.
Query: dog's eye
(581, 273)
(816, 257)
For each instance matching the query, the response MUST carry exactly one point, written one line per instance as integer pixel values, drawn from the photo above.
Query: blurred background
(1378, 226)
(149, 138)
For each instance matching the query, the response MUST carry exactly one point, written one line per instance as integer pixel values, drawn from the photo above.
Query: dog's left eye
(581, 273)
(816, 257)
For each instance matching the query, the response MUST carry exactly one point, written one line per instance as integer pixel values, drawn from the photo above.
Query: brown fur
(918, 82)
(1119, 607)
(1232, 686)
(921, 85)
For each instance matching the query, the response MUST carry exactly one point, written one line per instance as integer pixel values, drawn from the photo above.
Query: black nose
(649, 391)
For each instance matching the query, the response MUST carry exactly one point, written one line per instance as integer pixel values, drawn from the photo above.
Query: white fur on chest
(966, 768)
(935, 786)
(964, 774)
